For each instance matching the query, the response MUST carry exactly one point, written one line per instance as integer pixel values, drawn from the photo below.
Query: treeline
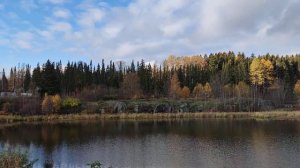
(214, 76)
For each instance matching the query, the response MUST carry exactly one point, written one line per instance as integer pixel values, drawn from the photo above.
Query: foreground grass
(18, 159)
(15, 159)
(155, 116)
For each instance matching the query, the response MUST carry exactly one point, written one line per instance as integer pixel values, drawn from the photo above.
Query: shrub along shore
(54, 108)
(276, 115)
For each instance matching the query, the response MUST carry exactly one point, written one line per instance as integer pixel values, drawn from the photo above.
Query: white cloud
(28, 5)
(4, 41)
(55, 32)
(175, 28)
(90, 17)
(46, 34)
(23, 40)
(60, 27)
(167, 8)
(62, 13)
(234, 17)
(127, 49)
(112, 31)
(134, 32)
(153, 29)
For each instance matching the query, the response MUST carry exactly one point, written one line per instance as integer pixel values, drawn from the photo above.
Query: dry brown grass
(15, 159)
(155, 116)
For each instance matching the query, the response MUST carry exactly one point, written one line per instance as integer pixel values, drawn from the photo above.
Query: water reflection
(184, 143)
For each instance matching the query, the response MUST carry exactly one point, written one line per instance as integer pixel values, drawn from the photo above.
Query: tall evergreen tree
(49, 79)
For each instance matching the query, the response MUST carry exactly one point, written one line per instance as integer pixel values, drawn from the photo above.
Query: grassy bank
(155, 116)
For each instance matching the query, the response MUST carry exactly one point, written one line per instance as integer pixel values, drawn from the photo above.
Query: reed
(153, 116)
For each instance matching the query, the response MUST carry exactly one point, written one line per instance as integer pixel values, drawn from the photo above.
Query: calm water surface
(188, 143)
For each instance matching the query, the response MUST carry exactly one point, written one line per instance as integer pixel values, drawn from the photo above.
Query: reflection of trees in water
(50, 136)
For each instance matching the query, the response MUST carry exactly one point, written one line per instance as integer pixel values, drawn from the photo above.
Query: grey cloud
(289, 22)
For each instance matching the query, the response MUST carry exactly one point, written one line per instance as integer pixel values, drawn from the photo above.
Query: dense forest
(220, 76)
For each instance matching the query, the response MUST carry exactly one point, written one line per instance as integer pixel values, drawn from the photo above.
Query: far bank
(272, 115)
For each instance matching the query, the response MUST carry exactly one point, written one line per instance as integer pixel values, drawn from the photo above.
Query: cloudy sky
(33, 31)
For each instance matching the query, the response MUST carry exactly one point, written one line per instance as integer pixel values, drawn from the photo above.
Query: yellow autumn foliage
(176, 62)
(51, 104)
(56, 103)
(207, 90)
(198, 90)
(185, 92)
(47, 105)
(261, 72)
(297, 88)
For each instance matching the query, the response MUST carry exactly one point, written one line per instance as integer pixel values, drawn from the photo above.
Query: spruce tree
(49, 79)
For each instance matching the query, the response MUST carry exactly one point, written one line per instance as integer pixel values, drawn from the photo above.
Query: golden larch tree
(267, 71)
(261, 72)
(256, 72)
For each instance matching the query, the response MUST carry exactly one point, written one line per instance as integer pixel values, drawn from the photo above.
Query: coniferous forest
(230, 79)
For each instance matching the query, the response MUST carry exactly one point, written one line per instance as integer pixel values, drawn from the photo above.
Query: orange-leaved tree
(198, 91)
(185, 92)
(297, 88)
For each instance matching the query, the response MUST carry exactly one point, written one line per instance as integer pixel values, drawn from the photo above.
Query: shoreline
(274, 115)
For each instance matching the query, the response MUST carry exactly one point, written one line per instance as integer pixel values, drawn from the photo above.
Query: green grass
(155, 116)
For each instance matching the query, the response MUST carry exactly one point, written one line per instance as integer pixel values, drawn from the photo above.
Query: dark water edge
(173, 143)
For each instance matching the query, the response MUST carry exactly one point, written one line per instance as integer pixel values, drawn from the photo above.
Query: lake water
(210, 143)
